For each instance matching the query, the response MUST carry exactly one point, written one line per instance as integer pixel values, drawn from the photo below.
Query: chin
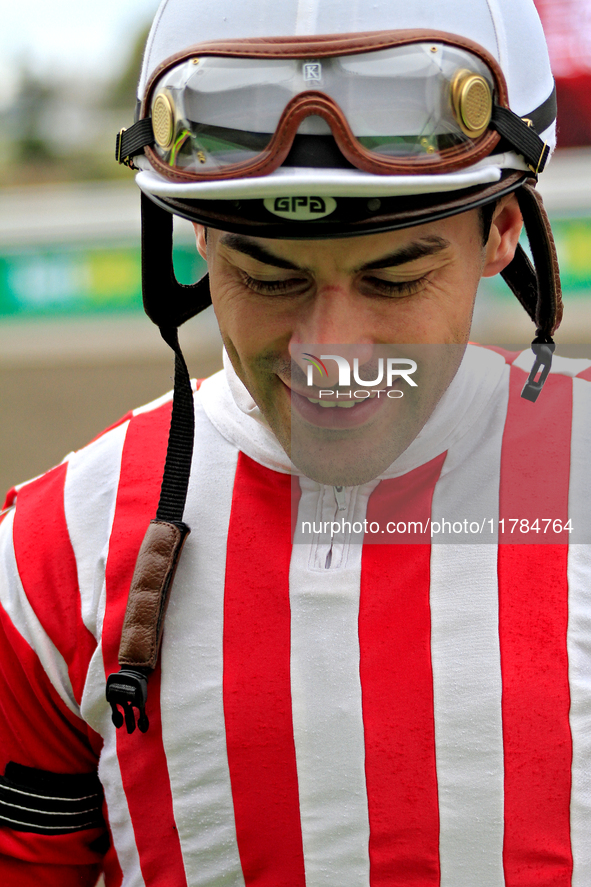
(341, 475)
(339, 459)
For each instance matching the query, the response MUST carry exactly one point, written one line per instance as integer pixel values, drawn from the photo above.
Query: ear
(504, 236)
(200, 233)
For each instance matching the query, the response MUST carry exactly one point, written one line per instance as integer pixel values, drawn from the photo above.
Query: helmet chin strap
(169, 304)
(537, 286)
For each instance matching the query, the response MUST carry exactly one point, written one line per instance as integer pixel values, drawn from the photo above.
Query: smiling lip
(337, 417)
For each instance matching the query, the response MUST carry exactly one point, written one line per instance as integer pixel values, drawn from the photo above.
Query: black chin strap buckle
(542, 364)
(129, 689)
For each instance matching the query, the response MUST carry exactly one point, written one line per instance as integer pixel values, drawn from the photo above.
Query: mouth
(344, 404)
(340, 411)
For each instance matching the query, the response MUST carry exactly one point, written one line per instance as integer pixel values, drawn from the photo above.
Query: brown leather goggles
(397, 103)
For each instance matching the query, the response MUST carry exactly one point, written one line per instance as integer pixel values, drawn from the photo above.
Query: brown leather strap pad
(520, 277)
(537, 287)
(148, 596)
(539, 232)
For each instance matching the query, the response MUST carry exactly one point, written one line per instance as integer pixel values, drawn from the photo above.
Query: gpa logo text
(388, 370)
(306, 208)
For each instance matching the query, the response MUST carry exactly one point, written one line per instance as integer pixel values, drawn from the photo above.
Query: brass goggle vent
(163, 120)
(471, 100)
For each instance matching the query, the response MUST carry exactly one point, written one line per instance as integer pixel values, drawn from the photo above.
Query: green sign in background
(573, 243)
(80, 279)
(59, 279)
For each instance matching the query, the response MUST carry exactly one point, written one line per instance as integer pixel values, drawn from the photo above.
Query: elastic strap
(131, 141)
(545, 114)
(522, 137)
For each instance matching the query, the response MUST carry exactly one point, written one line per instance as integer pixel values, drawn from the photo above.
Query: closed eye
(275, 287)
(391, 289)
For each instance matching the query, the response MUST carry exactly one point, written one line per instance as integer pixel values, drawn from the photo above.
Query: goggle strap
(131, 141)
(545, 114)
(521, 136)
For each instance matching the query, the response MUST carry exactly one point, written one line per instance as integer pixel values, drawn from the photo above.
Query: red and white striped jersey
(394, 714)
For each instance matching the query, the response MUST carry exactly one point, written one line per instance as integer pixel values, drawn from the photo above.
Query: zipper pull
(340, 498)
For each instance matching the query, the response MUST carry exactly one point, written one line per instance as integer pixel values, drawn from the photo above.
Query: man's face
(277, 300)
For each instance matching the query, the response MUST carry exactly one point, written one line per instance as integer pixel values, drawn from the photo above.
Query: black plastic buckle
(543, 362)
(129, 689)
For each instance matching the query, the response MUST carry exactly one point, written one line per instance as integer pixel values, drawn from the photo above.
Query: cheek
(253, 323)
(232, 309)
(252, 331)
(453, 303)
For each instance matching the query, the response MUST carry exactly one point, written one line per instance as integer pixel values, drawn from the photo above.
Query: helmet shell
(510, 30)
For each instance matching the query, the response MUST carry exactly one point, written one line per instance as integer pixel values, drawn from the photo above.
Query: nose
(334, 321)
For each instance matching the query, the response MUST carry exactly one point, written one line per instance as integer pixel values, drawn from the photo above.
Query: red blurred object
(567, 25)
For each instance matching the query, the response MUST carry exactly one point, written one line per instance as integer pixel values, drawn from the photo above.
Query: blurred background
(76, 351)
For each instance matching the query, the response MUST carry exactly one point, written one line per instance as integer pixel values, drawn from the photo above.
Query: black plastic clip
(129, 689)
(543, 352)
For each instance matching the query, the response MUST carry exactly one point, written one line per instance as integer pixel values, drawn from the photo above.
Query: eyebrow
(426, 246)
(243, 245)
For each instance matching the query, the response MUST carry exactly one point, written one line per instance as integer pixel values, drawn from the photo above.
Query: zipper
(340, 505)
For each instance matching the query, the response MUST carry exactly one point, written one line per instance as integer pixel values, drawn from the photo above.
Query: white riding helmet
(316, 118)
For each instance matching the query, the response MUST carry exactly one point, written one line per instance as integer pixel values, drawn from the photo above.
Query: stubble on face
(259, 333)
